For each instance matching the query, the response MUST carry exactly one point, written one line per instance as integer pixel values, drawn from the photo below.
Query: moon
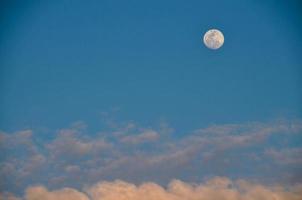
(213, 39)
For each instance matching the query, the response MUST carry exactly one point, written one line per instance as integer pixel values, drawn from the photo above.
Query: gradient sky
(133, 79)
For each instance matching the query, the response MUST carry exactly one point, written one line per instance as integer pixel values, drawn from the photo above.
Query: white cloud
(219, 188)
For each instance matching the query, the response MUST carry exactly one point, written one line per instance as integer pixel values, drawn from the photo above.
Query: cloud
(218, 188)
(145, 136)
(71, 156)
(41, 193)
(20, 139)
(286, 155)
(8, 196)
(72, 169)
(69, 144)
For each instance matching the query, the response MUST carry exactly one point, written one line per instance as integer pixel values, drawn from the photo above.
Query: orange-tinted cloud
(219, 188)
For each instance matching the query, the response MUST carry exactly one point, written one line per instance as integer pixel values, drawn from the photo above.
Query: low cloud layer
(74, 157)
(219, 188)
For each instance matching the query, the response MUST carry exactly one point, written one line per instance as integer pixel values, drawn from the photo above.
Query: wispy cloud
(144, 137)
(69, 143)
(286, 156)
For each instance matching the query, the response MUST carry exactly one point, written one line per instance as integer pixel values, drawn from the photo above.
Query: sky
(105, 96)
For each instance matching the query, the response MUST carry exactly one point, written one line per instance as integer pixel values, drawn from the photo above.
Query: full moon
(213, 39)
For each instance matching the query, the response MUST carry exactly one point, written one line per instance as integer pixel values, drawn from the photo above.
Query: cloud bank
(218, 188)
(264, 151)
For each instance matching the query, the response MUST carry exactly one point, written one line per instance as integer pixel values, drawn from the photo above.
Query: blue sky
(122, 69)
(66, 61)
